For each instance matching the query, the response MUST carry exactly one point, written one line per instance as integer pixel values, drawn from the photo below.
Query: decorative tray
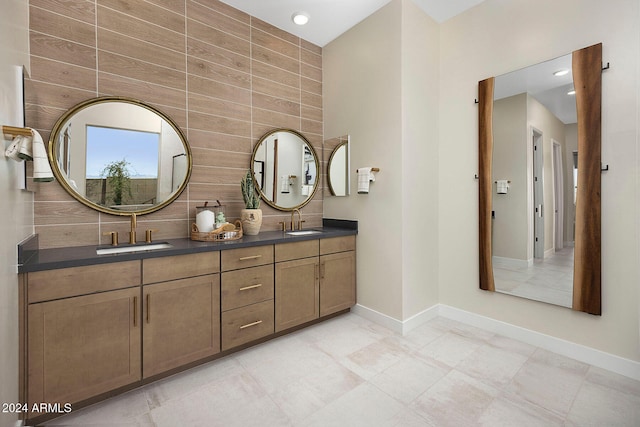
(226, 232)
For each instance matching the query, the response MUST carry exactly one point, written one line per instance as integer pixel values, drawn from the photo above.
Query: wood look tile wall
(226, 78)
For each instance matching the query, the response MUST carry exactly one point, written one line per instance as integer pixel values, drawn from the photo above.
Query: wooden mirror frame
(587, 272)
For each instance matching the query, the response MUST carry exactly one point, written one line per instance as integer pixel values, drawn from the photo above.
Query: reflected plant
(118, 179)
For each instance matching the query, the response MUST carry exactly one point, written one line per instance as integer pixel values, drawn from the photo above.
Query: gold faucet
(293, 224)
(132, 233)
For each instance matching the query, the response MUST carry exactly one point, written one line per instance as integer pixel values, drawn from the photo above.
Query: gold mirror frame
(344, 144)
(63, 121)
(587, 70)
(263, 196)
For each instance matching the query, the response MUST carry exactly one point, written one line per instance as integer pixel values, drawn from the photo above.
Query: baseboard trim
(619, 365)
(400, 327)
(376, 317)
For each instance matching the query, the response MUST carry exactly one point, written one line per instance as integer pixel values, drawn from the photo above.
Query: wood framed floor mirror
(578, 163)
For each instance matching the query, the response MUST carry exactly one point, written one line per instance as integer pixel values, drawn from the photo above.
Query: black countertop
(32, 259)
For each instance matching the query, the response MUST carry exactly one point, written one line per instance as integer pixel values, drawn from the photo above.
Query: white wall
(16, 208)
(419, 185)
(510, 227)
(380, 86)
(499, 36)
(362, 98)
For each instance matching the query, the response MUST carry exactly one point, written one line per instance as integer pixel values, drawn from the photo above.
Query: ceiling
(328, 19)
(539, 81)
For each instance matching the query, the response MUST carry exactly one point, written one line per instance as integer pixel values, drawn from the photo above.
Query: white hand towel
(41, 168)
(502, 186)
(19, 149)
(364, 177)
(306, 190)
(284, 184)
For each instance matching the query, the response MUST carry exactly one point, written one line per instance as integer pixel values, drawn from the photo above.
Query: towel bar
(15, 131)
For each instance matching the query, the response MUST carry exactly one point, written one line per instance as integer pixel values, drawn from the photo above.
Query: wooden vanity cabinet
(297, 283)
(83, 332)
(180, 315)
(337, 274)
(247, 295)
(91, 330)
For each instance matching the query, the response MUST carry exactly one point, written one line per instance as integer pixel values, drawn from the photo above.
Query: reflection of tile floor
(348, 371)
(548, 280)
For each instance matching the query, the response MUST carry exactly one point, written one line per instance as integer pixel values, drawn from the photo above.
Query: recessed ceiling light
(571, 92)
(300, 18)
(562, 72)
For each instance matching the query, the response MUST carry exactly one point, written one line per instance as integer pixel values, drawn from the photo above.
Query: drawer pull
(248, 325)
(245, 258)
(246, 288)
(135, 311)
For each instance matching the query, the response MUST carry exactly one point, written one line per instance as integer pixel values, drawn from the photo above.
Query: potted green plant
(251, 217)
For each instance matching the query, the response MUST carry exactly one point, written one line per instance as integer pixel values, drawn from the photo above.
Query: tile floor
(548, 280)
(348, 371)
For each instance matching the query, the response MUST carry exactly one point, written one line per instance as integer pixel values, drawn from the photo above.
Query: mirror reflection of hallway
(533, 225)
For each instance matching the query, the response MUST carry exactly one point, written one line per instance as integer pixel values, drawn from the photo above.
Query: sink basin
(130, 249)
(303, 232)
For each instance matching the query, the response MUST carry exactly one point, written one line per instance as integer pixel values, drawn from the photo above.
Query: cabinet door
(337, 282)
(181, 322)
(83, 346)
(296, 292)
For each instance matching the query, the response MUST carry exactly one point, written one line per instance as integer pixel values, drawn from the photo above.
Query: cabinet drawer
(180, 266)
(247, 324)
(234, 259)
(297, 250)
(75, 281)
(246, 286)
(337, 244)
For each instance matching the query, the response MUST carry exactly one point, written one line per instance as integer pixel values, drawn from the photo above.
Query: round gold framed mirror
(285, 169)
(119, 156)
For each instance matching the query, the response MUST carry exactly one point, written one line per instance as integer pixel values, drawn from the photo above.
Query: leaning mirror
(338, 168)
(540, 181)
(119, 155)
(285, 169)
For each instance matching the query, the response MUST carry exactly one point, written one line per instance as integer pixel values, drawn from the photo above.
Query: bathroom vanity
(93, 326)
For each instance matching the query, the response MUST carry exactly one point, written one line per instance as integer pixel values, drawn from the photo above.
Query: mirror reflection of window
(136, 152)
